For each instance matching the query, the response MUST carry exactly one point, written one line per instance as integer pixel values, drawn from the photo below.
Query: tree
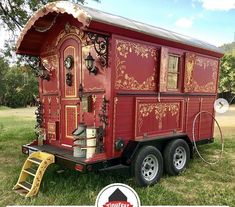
(227, 74)
(228, 48)
(4, 67)
(21, 87)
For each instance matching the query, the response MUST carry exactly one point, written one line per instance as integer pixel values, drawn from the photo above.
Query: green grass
(200, 184)
(3, 107)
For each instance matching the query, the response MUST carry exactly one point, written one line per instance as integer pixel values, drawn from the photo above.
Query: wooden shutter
(163, 70)
(190, 60)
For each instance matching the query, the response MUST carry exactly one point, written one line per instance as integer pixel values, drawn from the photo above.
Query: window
(173, 72)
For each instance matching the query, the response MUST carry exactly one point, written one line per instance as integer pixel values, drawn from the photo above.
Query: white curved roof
(122, 22)
(85, 15)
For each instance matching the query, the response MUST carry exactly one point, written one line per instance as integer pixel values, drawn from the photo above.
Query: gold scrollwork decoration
(125, 47)
(125, 80)
(50, 46)
(160, 110)
(192, 62)
(70, 30)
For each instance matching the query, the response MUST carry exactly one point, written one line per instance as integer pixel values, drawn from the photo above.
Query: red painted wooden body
(135, 83)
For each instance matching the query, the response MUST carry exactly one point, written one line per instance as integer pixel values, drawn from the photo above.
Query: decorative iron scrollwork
(38, 113)
(103, 115)
(101, 43)
(69, 79)
(100, 139)
(37, 67)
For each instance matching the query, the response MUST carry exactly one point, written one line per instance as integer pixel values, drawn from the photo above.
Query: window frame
(179, 73)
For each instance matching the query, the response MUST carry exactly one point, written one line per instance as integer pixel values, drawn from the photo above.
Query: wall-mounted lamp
(89, 62)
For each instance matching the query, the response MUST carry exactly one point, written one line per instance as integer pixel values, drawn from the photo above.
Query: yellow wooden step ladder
(32, 172)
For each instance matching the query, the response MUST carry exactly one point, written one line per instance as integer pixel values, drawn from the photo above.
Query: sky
(212, 21)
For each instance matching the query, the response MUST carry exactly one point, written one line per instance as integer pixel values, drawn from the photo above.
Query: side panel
(135, 66)
(193, 107)
(144, 108)
(200, 74)
(125, 118)
(204, 123)
(153, 117)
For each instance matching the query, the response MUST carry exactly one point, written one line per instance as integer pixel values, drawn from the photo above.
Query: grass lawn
(200, 184)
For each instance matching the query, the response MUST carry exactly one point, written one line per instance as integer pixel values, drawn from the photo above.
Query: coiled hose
(194, 140)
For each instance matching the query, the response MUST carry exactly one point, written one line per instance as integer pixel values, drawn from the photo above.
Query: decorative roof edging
(58, 7)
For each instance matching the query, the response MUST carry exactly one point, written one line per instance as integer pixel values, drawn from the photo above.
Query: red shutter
(163, 70)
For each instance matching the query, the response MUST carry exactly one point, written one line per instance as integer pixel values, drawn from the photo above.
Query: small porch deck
(59, 151)
(65, 157)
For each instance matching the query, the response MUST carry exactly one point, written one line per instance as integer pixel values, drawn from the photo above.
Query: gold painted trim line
(66, 120)
(74, 84)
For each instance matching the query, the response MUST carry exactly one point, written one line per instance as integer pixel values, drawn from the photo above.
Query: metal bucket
(79, 142)
(90, 142)
(78, 150)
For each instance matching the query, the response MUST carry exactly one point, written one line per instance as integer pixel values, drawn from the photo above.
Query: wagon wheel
(147, 166)
(176, 156)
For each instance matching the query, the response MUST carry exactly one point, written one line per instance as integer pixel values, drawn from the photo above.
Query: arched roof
(86, 15)
(59, 7)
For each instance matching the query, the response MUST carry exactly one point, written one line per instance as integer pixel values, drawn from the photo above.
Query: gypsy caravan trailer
(115, 93)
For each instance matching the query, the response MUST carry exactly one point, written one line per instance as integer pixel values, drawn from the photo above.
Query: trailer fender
(133, 146)
(129, 151)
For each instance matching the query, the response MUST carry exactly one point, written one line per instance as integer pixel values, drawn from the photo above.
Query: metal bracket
(37, 67)
(101, 44)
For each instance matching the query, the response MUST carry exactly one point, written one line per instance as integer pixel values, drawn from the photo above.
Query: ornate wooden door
(70, 74)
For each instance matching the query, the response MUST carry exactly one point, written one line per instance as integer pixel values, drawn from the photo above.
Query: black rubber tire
(168, 156)
(138, 162)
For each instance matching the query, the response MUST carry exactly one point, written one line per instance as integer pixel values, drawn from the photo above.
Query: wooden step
(30, 171)
(35, 160)
(25, 185)
(21, 191)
